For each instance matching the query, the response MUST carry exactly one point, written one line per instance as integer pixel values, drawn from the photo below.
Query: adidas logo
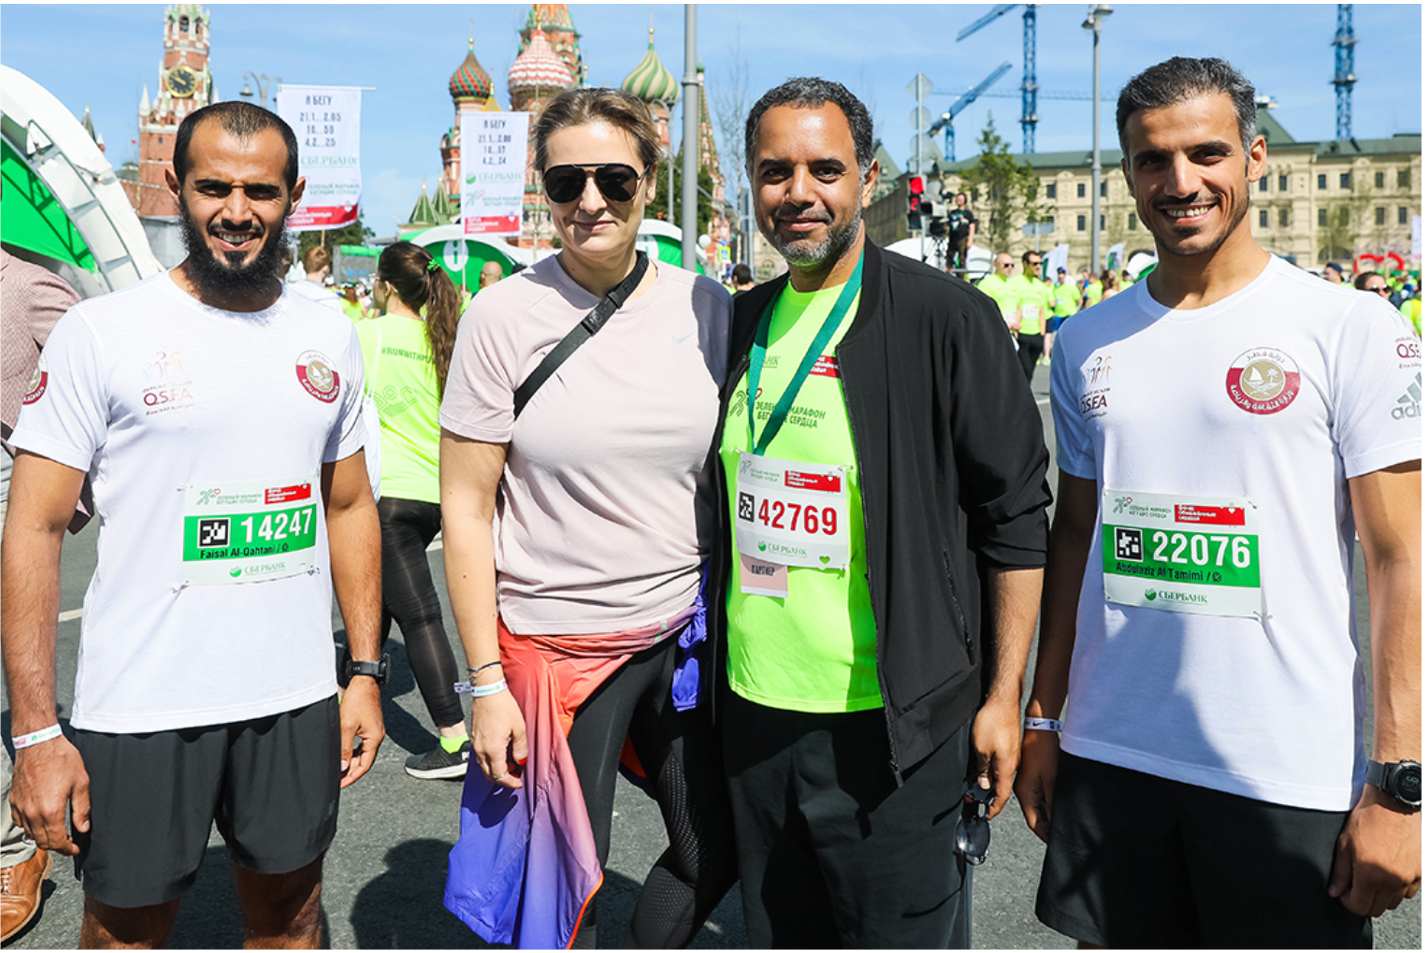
(1409, 403)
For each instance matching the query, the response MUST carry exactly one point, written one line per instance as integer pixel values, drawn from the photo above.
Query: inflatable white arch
(40, 133)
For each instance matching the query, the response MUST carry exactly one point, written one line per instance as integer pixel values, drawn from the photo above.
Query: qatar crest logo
(318, 377)
(1263, 381)
(39, 380)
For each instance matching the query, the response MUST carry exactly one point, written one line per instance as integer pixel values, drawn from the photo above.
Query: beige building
(1317, 202)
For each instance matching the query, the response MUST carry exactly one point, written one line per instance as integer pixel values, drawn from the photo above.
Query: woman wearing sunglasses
(572, 604)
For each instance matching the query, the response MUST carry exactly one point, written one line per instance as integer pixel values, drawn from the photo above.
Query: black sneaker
(439, 763)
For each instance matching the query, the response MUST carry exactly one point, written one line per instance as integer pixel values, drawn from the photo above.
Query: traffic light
(917, 189)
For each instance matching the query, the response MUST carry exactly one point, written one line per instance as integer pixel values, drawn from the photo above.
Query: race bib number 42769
(248, 531)
(1182, 553)
(792, 514)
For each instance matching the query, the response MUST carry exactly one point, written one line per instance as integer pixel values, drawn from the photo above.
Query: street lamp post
(1094, 23)
(263, 84)
(691, 109)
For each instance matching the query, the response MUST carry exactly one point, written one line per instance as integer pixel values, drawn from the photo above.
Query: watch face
(1407, 783)
(182, 81)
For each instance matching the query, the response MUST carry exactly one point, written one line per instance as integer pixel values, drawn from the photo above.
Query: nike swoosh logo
(680, 340)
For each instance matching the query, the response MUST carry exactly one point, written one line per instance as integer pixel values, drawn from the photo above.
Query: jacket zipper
(959, 612)
(866, 535)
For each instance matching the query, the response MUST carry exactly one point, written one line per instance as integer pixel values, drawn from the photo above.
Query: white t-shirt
(605, 515)
(1267, 401)
(315, 292)
(158, 398)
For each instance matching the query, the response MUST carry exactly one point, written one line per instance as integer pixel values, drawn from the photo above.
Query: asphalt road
(385, 874)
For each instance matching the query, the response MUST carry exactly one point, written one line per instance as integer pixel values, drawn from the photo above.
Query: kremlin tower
(185, 84)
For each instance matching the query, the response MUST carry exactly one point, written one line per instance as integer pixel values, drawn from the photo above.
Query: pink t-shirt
(605, 514)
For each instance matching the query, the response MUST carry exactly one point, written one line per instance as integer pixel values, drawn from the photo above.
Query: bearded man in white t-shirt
(220, 421)
(1225, 429)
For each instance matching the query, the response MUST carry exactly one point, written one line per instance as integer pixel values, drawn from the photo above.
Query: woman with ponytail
(407, 351)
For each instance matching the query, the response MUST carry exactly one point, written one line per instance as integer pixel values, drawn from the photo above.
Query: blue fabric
(687, 676)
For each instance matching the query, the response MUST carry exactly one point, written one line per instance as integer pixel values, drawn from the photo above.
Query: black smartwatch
(380, 670)
(1401, 780)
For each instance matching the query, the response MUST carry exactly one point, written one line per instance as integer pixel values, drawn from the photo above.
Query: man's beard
(803, 252)
(220, 279)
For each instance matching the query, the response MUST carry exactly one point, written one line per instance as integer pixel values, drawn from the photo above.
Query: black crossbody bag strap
(581, 332)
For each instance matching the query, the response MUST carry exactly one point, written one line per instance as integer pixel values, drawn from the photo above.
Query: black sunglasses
(972, 830)
(615, 181)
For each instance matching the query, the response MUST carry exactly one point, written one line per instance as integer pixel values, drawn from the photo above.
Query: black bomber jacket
(953, 467)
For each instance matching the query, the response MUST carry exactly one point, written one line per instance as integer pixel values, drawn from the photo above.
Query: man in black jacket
(879, 560)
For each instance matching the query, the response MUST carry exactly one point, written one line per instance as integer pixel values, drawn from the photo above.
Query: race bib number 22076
(1182, 553)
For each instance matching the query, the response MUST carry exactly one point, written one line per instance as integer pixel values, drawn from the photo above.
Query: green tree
(658, 208)
(1005, 190)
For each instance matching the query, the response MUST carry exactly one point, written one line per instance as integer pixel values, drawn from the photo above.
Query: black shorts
(1135, 860)
(271, 785)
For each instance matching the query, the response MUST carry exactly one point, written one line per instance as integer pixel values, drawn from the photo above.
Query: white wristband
(1043, 724)
(482, 691)
(35, 737)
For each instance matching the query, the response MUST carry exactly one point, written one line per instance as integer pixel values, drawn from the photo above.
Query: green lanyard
(818, 344)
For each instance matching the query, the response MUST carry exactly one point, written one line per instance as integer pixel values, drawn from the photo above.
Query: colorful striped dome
(539, 67)
(470, 81)
(650, 80)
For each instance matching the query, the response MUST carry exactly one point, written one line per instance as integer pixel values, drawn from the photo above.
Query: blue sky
(102, 56)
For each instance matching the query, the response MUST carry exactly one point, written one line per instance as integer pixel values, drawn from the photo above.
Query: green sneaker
(439, 763)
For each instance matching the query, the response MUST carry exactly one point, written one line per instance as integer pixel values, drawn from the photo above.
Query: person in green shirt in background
(996, 284)
(1035, 304)
(407, 351)
(1066, 295)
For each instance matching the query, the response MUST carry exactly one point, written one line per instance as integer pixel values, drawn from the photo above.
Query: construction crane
(1029, 88)
(1345, 43)
(947, 119)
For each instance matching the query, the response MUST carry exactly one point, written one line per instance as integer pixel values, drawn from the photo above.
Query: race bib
(792, 514)
(248, 531)
(1030, 312)
(1182, 553)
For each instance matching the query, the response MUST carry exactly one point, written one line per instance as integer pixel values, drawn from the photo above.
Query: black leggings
(682, 759)
(408, 596)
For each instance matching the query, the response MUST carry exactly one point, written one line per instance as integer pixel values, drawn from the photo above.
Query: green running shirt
(814, 651)
(402, 381)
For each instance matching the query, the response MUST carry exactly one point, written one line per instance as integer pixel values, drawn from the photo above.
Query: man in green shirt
(997, 285)
(1066, 297)
(1035, 303)
(875, 575)
(1093, 290)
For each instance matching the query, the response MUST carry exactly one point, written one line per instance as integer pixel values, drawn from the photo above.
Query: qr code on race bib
(1128, 544)
(213, 532)
(746, 507)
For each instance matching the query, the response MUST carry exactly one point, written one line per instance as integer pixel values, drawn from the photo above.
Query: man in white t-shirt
(220, 421)
(1225, 429)
(317, 263)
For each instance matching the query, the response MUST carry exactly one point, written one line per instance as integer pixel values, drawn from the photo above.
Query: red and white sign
(1210, 515)
(285, 494)
(327, 122)
(494, 148)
